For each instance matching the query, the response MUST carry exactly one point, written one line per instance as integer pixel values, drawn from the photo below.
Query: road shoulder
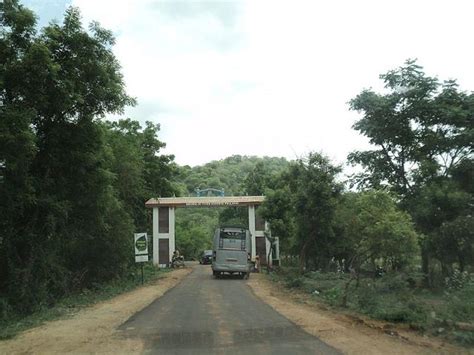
(94, 329)
(345, 332)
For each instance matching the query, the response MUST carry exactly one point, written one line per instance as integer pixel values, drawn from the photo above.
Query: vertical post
(155, 236)
(277, 249)
(252, 229)
(268, 245)
(172, 232)
(142, 272)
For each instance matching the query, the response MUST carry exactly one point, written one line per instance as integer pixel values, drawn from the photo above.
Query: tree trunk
(425, 266)
(346, 293)
(303, 257)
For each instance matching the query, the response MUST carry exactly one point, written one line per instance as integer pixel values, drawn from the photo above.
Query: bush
(395, 311)
(389, 298)
(295, 283)
(457, 280)
(5, 309)
(324, 276)
(464, 338)
(396, 297)
(460, 305)
(333, 296)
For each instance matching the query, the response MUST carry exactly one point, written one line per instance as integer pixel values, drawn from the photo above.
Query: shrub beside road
(447, 313)
(69, 305)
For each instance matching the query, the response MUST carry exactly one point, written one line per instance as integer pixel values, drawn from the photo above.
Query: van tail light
(214, 256)
(248, 256)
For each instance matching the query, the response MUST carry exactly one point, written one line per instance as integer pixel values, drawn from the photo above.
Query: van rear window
(233, 235)
(232, 239)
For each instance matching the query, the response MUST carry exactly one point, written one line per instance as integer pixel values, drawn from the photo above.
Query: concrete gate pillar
(172, 236)
(164, 232)
(155, 236)
(252, 229)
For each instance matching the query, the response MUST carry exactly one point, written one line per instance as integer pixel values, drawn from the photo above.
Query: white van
(231, 251)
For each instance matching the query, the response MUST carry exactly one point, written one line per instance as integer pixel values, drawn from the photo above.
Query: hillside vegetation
(236, 176)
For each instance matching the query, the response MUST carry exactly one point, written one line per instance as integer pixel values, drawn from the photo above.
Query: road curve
(203, 315)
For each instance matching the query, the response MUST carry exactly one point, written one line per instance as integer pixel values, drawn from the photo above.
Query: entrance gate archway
(164, 224)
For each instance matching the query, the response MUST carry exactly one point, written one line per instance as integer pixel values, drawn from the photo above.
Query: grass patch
(397, 298)
(12, 324)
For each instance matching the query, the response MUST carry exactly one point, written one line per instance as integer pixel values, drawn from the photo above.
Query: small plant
(5, 309)
(460, 304)
(295, 283)
(464, 338)
(333, 296)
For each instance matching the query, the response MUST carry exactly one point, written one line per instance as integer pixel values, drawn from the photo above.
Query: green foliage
(194, 231)
(374, 228)
(442, 211)
(419, 122)
(421, 132)
(454, 241)
(140, 171)
(458, 280)
(73, 188)
(303, 202)
(237, 175)
(460, 307)
(295, 282)
(279, 212)
(393, 297)
(12, 324)
(390, 298)
(256, 181)
(313, 218)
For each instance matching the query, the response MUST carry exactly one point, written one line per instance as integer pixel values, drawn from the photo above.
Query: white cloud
(271, 77)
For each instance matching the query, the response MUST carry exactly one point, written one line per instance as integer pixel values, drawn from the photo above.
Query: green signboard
(141, 247)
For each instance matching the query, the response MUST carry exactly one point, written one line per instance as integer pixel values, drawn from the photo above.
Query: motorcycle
(177, 261)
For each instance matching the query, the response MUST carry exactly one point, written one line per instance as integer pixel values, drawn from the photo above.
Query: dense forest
(73, 184)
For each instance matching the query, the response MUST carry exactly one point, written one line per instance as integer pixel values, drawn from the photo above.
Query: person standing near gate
(257, 263)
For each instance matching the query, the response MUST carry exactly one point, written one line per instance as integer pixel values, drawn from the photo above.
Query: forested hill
(237, 175)
(229, 174)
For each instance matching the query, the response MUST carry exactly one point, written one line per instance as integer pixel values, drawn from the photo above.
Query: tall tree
(374, 228)
(64, 226)
(422, 135)
(304, 203)
(140, 170)
(421, 128)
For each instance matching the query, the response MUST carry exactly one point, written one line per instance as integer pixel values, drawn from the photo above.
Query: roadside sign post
(141, 249)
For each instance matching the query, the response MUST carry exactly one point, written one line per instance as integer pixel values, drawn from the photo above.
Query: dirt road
(203, 315)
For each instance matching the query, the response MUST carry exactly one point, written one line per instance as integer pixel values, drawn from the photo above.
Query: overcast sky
(270, 77)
